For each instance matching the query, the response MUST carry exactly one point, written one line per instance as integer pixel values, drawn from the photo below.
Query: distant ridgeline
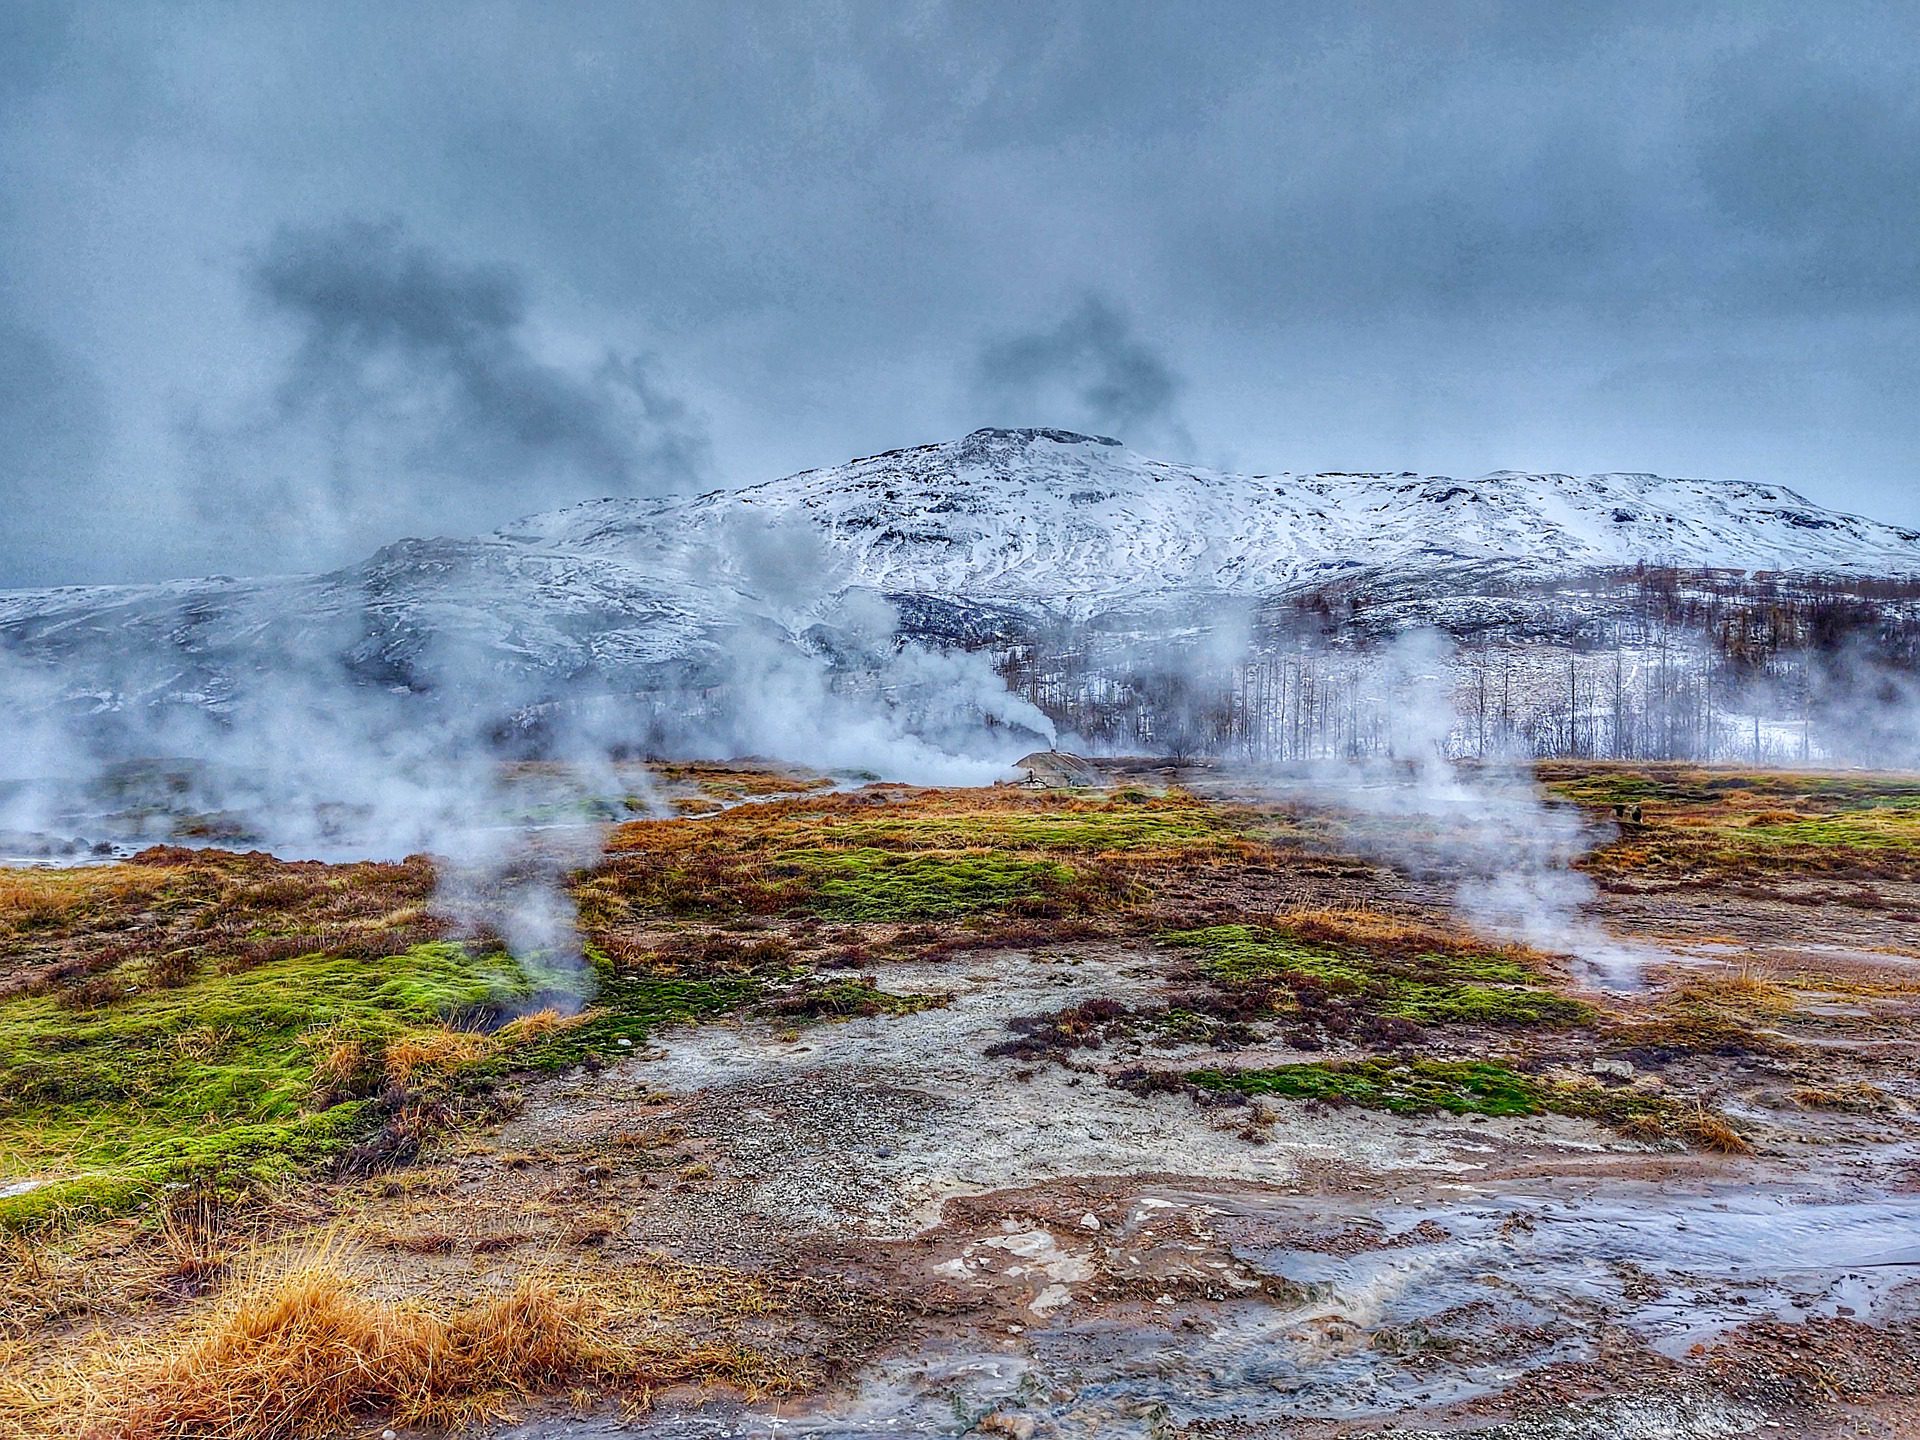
(1142, 605)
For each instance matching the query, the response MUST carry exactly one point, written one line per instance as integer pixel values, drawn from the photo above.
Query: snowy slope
(1060, 520)
(1006, 525)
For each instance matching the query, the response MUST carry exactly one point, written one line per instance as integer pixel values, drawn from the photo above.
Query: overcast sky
(279, 282)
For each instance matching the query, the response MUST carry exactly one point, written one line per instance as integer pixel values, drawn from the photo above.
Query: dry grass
(193, 1239)
(1396, 934)
(440, 1049)
(891, 854)
(1707, 825)
(1725, 1014)
(35, 899)
(539, 1025)
(305, 1353)
(1858, 1097)
(738, 780)
(167, 914)
(44, 1283)
(1712, 1132)
(1742, 993)
(338, 1057)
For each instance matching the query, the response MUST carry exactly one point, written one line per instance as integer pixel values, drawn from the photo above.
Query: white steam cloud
(310, 746)
(1406, 795)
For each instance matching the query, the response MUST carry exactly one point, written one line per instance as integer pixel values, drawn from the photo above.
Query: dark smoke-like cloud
(415, 394)
(1091, 371)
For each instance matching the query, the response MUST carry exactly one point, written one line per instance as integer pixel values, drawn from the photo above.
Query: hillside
(1027, 544)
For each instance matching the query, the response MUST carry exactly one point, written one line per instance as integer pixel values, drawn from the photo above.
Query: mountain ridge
(922, 520)
(970, 542)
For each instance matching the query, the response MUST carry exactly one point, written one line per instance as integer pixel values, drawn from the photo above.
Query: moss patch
(871, 884)
(253, 1075)
(218, 1075)
(1722, 823)
(1474, 1087)
(843, 999)
(1409, 981)
(1458, 1087)
(890, 854)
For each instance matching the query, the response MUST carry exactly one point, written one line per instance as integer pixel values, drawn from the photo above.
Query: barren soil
(946, 1234)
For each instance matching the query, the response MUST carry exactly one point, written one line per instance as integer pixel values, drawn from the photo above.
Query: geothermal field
(959, 720)
(1121, 1097)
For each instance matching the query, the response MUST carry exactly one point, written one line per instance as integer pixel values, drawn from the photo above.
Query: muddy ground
(940, 1234)
(1015, 1248)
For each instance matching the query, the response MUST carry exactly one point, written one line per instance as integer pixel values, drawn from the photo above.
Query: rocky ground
(990, 1189)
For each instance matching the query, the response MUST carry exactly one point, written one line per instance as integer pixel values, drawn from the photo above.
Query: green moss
(219, 1076)
(1430, 987)
(1856, 802)
(627, 1008)
(1886, 824)
(1238, 954)
(1463, 1087)
(872, 884)
(215, 1075)
(1481, 1005)
(1458, 1087)
(845, 998)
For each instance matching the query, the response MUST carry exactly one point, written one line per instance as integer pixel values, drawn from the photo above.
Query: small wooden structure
(1056, 770)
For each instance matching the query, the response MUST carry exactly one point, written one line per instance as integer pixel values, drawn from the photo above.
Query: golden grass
(1742, 993)
(440, 1048)
(1703, 825)
(1712, 1132)
(539, 1025)
(305, 1353)
(31, 899)
(1373, 930)
(1854, 1096)
(738, 780)
(43, 1282)
(338, 1056)
(893, 853)
(192, 1238)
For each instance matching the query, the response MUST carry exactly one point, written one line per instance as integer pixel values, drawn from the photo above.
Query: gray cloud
(52, 423)
(1090, 371)
(1816, 160)
(414, 398)
(1452, 236)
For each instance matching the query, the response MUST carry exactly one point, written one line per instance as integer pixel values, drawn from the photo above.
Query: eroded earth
(1166, 1109)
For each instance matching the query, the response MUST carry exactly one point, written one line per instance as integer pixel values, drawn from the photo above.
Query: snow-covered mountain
(985, 535)
(1052, 519)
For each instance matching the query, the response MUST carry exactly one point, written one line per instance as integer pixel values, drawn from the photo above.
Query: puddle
(1679, 1271)
(1453, 1300)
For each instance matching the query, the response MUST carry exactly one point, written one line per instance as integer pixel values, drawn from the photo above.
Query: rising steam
(305, 752)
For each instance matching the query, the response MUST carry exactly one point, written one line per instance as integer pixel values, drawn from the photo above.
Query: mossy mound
(1401, 978)
(1457, 1087)
(247, 1077)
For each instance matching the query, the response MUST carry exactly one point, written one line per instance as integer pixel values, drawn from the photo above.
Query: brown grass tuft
(442, 1050)
(1711, 1132)
(1396, 934)
(192, 1239)
(339, 1057)
(30, 899)
(539, 1025)
(1856, 1096)
(305, 1354)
